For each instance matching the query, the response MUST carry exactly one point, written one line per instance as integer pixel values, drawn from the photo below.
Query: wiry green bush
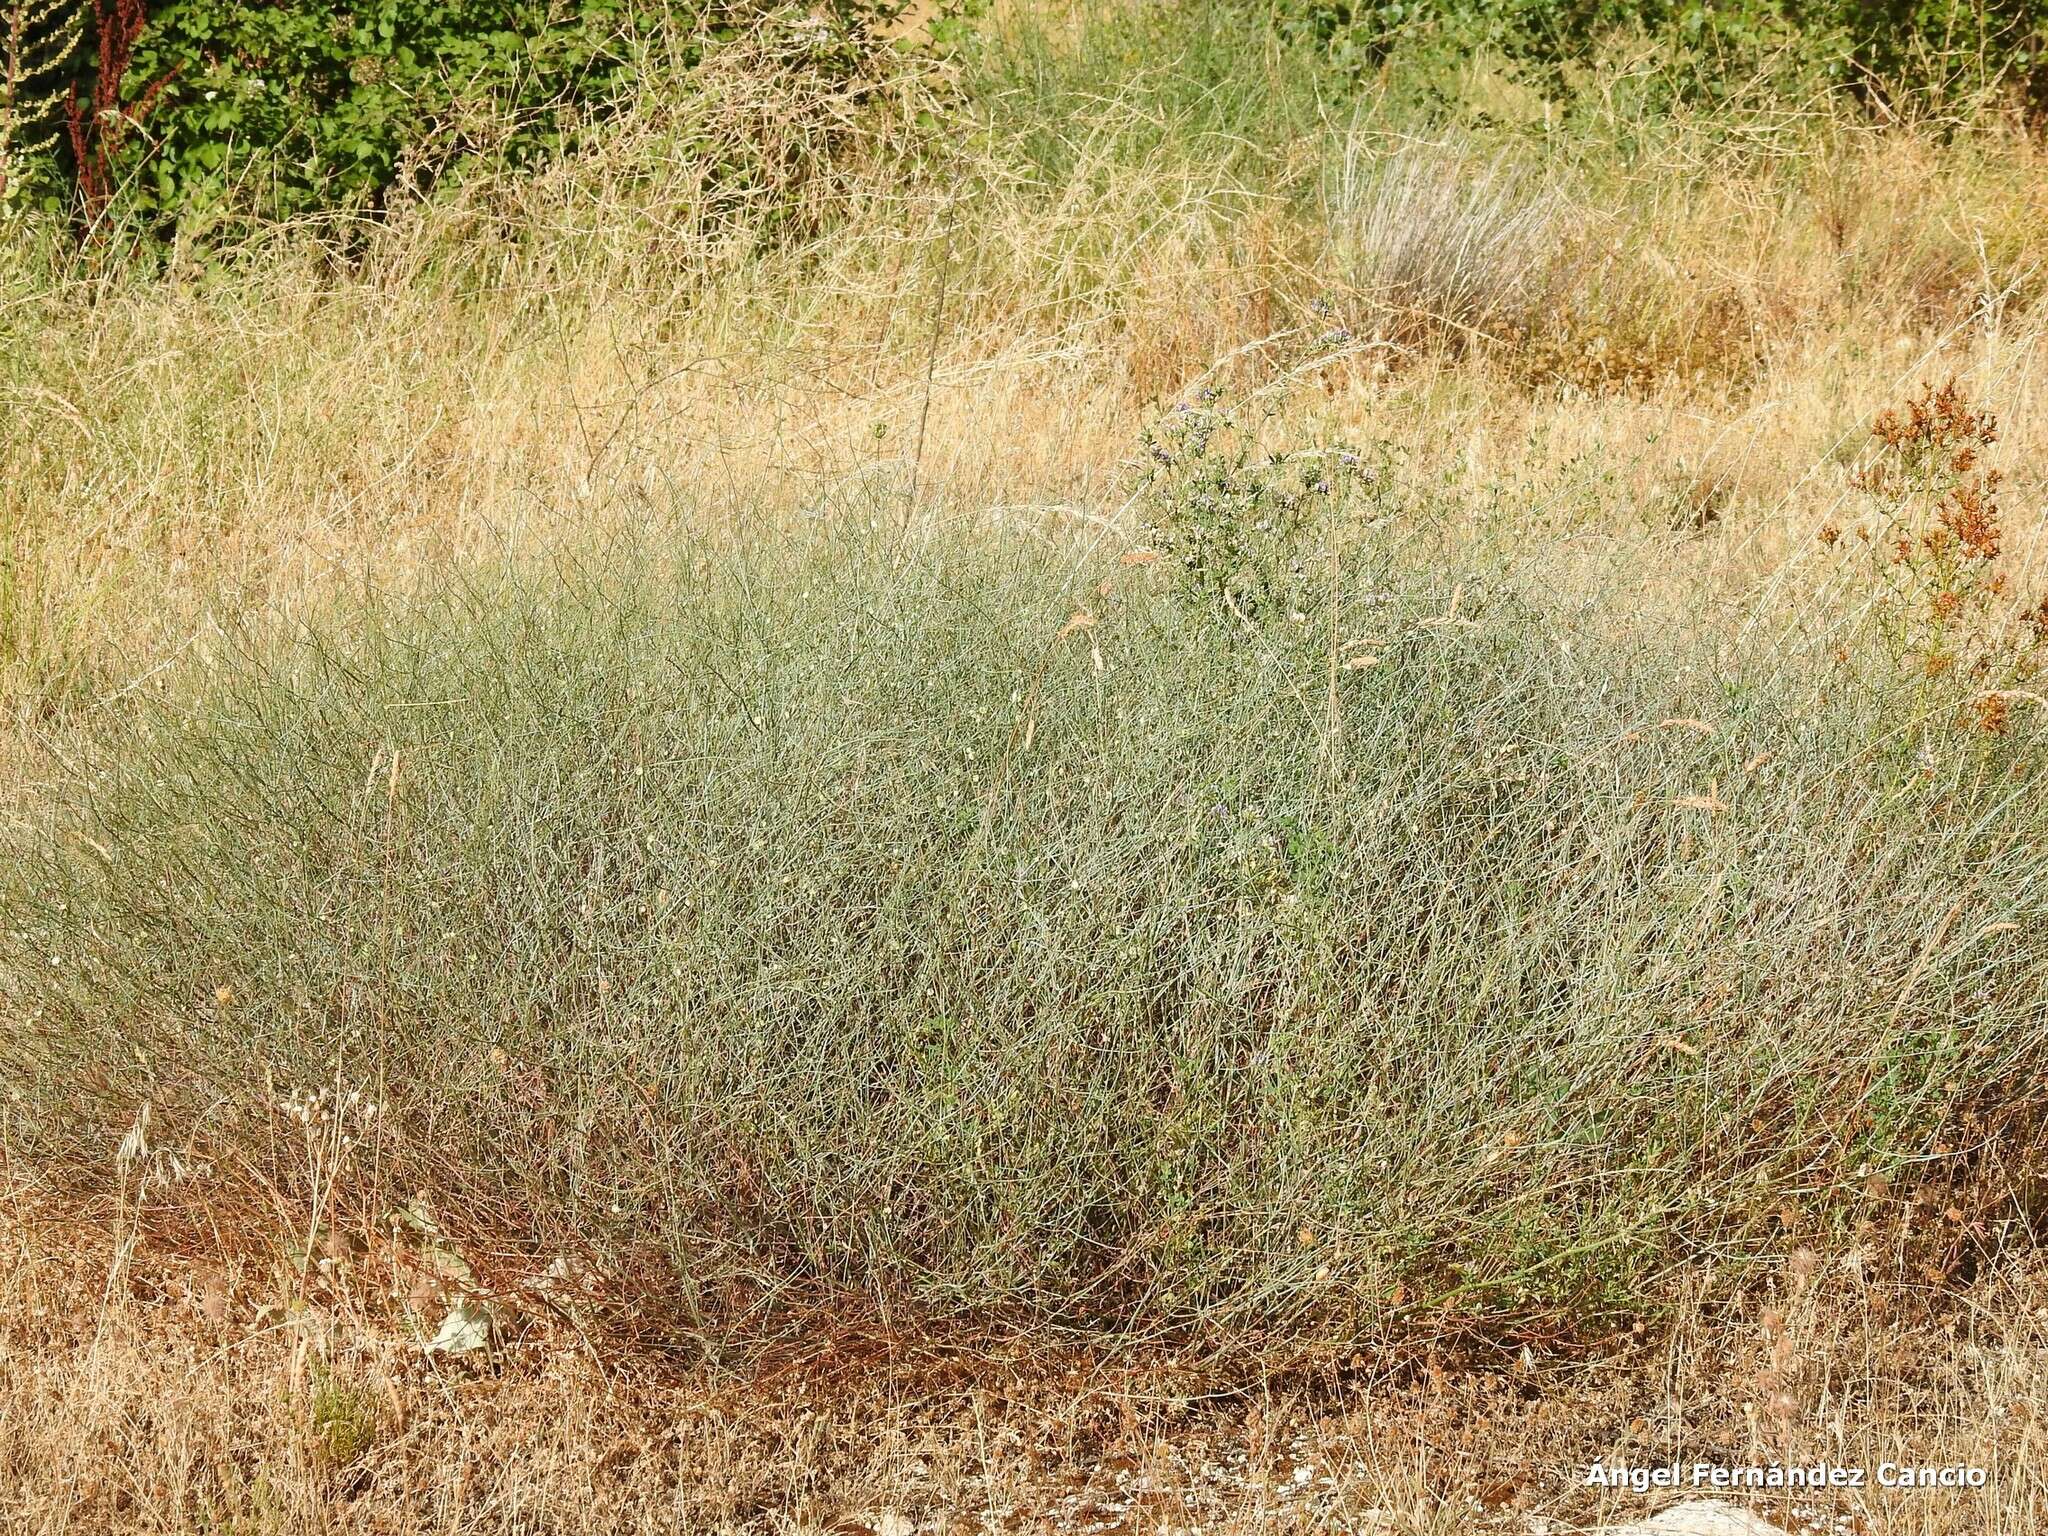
(755, 929)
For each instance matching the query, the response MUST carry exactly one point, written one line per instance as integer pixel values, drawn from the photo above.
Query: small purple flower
(1322, 487)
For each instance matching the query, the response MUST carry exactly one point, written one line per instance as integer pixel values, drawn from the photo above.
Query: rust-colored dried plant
(1936, 539)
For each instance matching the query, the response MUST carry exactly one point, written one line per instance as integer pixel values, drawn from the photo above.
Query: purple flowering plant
(1236, 518)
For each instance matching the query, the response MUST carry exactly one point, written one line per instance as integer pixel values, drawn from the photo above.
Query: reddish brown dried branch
(98, 128)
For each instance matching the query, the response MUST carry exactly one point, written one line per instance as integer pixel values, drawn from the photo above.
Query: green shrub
(313, 105)
(265, 110)
(193, 107)
(1238, 518)
(1938, 48)
(344, 1418)
(750, 928)
(1906, 52)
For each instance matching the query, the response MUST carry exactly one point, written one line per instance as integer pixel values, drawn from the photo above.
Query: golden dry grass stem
(115, 1416)
(1708, 338)
(389, 458)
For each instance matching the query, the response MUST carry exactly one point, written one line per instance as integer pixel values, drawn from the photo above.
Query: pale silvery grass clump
(1445, 242)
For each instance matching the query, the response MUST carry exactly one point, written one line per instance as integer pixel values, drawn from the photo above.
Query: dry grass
(1713, 321)
(116, 1380)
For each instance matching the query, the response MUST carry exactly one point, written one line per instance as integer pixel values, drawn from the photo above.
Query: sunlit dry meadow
(1128, 802)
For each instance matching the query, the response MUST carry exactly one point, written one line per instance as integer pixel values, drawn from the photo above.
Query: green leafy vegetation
(204, 110)
(812, 924)
(313, 105)
(344, 1420)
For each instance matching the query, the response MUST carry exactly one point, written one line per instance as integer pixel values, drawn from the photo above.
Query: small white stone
(1701, 1517)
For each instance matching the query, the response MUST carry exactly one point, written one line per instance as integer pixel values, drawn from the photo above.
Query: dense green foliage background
(322, 102)
(279, 110)
(1899, 44)
(178, 108)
